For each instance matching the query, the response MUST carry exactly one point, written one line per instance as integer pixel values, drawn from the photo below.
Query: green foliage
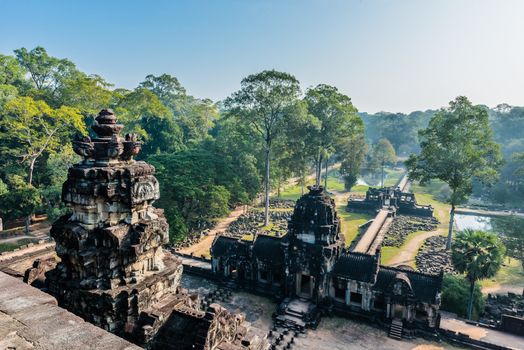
(352, 154)
(266, 101)
(21, 200)
(55, 173)
(32, 128)
(455, 296)
(338, 121)
(511, 230)
(478, 255)
(400, 129)
(197, 185)
(457, 147)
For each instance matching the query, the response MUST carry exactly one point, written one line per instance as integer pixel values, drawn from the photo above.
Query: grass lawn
(388, 253)
(359, 189)
(349, 223)
(426, 195)
(393, 176)
(293, 192)
(7, 247)
(511, 273)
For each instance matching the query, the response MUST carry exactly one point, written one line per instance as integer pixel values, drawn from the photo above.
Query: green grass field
(388, 253)
(349, 223)
(511, 273)
(7, 247)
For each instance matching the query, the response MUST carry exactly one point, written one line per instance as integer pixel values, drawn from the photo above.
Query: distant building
(393, 198)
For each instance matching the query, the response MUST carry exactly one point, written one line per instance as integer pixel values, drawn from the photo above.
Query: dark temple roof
(357, 266)
(268, 249)
(425, 286)
(223, 245)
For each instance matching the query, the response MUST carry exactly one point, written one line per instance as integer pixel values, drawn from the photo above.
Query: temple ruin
(113, 271)
(395, 199)
(312, 272)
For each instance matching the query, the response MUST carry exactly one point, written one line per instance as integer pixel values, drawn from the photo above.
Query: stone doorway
(398, 311)
(305, 286)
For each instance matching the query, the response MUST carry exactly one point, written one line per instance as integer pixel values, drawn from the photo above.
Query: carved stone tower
(315, 244)
(112, 267)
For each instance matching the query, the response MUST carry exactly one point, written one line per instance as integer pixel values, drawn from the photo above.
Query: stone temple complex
(395, 199)
(312, 271)
(113, 271)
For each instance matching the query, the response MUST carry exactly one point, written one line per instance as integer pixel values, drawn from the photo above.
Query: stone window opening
(421, 315)
(277, 277)
(340, 289)
(379, 304)
(263, 275)
(355, 298)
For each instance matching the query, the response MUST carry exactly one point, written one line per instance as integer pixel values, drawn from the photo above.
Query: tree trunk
(382, 176)
(302, 183)
(27, 223)
(318, 170)
(266, 190)
(30, 181)
(450, 230)
(326, 174)
(31, 170)
(470, 303)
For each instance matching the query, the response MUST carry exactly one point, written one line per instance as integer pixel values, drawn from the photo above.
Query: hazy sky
(394, 56)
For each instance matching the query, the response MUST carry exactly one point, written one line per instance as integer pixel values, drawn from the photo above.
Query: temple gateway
(310, 269)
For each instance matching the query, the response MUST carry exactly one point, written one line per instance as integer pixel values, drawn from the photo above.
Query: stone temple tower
(315, 243)
(112, 269)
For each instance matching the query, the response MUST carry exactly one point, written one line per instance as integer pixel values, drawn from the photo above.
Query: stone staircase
(297, 314)
(395, 330)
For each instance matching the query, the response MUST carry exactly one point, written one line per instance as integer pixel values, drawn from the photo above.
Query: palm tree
(478, 255)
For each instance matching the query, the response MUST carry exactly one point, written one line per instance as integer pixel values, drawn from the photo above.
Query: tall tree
(47, 73)
(457, 147)
(352, 155)
(338, 119)
(478, 255)
(166, 87)
(383, 154)
(36, 128)
(143, 113)
(11, 72)
(265, 100)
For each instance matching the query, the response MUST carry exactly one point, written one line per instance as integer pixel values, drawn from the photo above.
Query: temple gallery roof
(357, 266)
(268, 249)
(365, 268)
(425, 287)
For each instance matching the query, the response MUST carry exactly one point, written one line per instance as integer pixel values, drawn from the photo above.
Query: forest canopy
(210, 155)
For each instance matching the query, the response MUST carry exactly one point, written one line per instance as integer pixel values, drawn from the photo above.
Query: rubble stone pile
(403, 225)
(252, 223)
(502, 304)
(433, 257)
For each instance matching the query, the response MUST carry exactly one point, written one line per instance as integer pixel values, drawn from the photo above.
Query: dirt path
(17, 238)
(407, 255)
(202, 247)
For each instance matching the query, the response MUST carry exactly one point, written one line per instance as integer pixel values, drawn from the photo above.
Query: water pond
(474, 222)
